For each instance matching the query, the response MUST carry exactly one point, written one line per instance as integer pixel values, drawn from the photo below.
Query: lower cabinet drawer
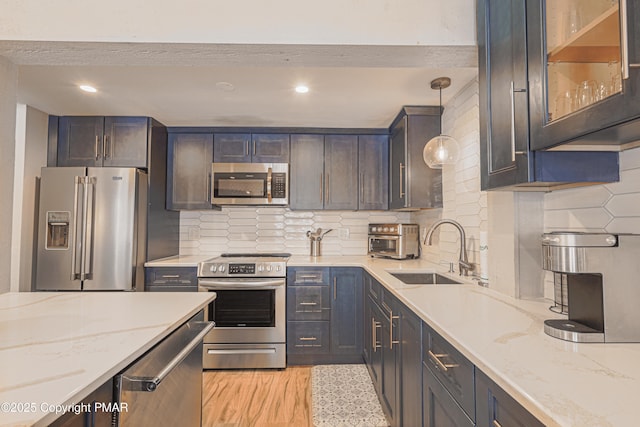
(308, 303)
(308, 337)
(455, 372)
(439, 408)
(171, 276)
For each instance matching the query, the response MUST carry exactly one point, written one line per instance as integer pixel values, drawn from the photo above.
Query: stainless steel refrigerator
(92, 229)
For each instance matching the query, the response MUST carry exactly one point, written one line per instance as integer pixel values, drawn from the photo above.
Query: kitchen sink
(424, 279)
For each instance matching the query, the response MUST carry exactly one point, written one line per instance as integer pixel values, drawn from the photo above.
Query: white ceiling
(350, 86)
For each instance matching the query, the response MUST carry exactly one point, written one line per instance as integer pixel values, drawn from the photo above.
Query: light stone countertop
(58, 347)
(561, 383)
(178, 261)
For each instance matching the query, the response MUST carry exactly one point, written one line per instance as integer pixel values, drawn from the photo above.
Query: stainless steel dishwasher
(164, 386)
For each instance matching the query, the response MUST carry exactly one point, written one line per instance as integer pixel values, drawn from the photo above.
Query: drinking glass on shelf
(572, 22)
(586, 92)
(565, 103)
(616, 83)
(602, 92)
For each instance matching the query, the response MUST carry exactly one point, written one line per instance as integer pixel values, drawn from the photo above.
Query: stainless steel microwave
(250, 183)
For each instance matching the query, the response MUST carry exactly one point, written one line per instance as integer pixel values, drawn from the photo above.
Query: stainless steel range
(249, 311)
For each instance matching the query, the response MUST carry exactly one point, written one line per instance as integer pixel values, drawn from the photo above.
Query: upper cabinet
(251, 148)
(373, 166)
(103, 141)
(510, 103)
(412, 184)
(584, 63)
(189, 171)
(324, 172)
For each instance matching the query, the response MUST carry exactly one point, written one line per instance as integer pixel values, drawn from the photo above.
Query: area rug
(343, 396)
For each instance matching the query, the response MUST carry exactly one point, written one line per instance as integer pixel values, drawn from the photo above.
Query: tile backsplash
(277, 229)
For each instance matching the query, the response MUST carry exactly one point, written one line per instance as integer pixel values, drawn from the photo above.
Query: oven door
(246, 310)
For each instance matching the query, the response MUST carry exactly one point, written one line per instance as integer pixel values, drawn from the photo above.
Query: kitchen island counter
(58, 347)
(561, 383)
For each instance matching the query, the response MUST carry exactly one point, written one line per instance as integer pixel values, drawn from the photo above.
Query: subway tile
(630, 159)
(624, 205)
(629, 182)
(578, 219)
(272, 233)
(587, 197)
(624, 225)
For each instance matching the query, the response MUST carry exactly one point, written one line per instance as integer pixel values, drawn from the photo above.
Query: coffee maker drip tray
(570, 330)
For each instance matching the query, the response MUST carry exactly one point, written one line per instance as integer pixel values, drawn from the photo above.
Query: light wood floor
(257, 398)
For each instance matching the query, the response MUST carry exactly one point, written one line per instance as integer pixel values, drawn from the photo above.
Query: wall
(463, 200)
(356, 22)
(612, 208)
(273, 229)
(30, 156)
(8, 87)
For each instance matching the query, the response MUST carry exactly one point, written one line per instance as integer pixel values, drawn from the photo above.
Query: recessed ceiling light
(225, 86)
(302, 89)
(88, 88)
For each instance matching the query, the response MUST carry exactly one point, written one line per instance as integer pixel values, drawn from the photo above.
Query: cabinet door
(375, 316)
(189, 171)
(232, 148)
(397, 166)
(373, 166)
(503, 93)
(125, 142)
(308, 337)
(584, 70)
(389, 388)
(439, 408)
(411, 368)
(306, 180)
(496, 408)
(80, 141)
(346, 311)
(341, 172)
(270, 148)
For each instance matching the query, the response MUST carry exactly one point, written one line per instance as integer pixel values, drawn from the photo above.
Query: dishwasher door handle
(150, 384)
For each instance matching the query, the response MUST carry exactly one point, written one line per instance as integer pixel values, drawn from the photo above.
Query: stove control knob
(278, 268)
(260, 268)
(269, 268)
(222, 269)
(214, 268)
(385, 229)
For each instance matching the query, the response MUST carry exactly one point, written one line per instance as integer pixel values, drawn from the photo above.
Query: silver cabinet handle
(321, 185)
(335, 285)
(513, 91)
(308, 339)
(151, 384)
(308, 303)
(96, 147)
(327, 188)
(436, 359)
(391, 319)
(374, 326)
(401, 179)
(170, 276)
(254, 148)
(208, 188)
(495, 423)
(246, 147)
(105, 142)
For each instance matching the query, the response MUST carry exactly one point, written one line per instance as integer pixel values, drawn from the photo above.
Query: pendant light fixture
(442, 149)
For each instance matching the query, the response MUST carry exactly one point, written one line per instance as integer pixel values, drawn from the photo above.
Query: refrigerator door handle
(90, 200)
(75, 271)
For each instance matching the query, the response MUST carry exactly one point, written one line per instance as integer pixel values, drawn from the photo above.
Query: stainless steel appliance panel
(113, 228)
(243, 356)
(58, 268)
(250, 183)
(164, 387)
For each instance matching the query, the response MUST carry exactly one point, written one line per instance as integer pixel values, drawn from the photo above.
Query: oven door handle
(216, 284)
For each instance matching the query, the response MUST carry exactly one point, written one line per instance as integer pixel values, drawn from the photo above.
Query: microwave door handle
(269, 176)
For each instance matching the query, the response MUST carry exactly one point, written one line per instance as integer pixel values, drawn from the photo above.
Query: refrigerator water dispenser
(57, 230)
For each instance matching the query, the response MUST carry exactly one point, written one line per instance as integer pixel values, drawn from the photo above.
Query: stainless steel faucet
(463, 261)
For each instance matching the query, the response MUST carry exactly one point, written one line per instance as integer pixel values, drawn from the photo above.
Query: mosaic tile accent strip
(343, 396)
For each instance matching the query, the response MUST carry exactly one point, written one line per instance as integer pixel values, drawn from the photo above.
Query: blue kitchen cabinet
(104, 141)
(584, 75)
(411, 368)
(509, 94)
(324, 315)
(306, 172)
(373, 167)
(440, 408)
(189, 171)
(251, 148)
(496, 408)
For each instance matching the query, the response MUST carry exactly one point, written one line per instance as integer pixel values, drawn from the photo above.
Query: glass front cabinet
(584, 71)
